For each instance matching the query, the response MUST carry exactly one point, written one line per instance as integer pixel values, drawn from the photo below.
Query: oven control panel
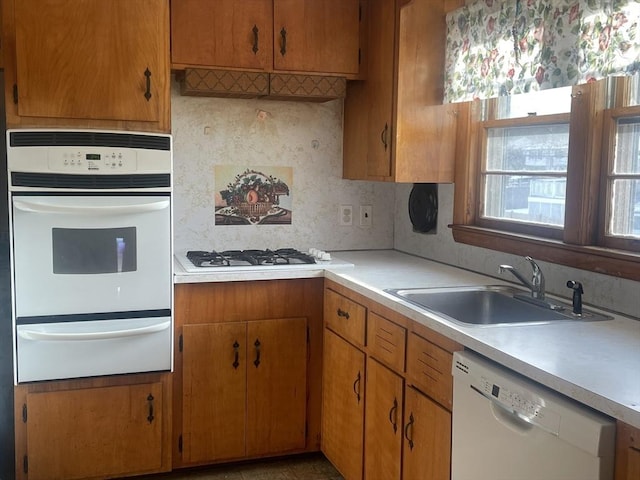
(92, 160)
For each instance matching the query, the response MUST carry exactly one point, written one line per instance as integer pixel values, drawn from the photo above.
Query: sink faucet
(536, 285)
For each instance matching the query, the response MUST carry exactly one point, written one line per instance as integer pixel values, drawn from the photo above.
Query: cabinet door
(276, 385)
(380, 78)
(222, 33)
(343, 405)
(92, 59)
(313, 36)
(383, 423)
(94, 432)
(214, 391)
(427, 438)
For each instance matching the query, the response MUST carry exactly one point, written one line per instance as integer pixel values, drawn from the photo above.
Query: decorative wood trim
(224, 83)
(242, 84)
(306, 87)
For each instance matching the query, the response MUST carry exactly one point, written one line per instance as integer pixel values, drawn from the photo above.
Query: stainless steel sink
(490, 305)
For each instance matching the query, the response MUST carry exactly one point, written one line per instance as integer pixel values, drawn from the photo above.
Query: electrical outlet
(365, 215)
(345, 215)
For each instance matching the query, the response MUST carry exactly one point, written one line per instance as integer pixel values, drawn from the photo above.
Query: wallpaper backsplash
(307, 137)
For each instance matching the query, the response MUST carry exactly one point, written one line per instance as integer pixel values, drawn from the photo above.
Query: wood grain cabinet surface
(303, 36)
(93, 428)
(627, 452)
(87, 63)
(395, 127)
(343, 401)
(248, 370)
(244, 389)
(406, 369)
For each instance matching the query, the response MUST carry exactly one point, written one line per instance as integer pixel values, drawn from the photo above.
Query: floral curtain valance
(499, 48)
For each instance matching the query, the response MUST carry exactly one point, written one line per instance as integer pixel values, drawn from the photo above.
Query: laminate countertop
(596, 363)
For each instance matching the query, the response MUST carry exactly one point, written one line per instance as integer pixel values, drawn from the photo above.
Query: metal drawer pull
(283, 46)
(383, 136)
(406, 431)
(342, 313)
(236, 347)
(147, 94)
(255, 39)
(256, 362)
(356, 387)
(150, 417)
(393, 415)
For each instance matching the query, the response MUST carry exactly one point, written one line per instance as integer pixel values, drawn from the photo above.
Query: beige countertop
(595, 363)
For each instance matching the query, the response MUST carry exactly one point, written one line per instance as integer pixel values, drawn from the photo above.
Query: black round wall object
(423, 207)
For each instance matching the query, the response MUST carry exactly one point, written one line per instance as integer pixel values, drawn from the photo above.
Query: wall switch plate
(345, 215)
(365, 215)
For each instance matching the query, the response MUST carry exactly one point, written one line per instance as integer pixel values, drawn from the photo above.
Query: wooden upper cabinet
(305, 36)
(88, 61)
(222, 33)
(409, 135)
(313, 36)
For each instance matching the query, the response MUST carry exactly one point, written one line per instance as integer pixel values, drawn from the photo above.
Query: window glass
(625, 179)
(545, 102)
(90, 251)
(525, 176)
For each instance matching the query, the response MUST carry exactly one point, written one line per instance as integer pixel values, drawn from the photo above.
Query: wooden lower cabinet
(408, 392)
(427, 438)
(95, 432)
(248, 370)
(244, 389)
(343, 400)
(627, 452)
(383, 423)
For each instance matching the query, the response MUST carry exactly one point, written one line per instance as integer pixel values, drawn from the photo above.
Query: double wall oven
(91, 252)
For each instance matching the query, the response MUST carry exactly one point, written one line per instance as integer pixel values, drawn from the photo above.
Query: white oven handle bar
(43, 207)
(66, 336)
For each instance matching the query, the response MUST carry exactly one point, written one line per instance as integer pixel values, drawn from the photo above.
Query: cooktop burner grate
(227, 258)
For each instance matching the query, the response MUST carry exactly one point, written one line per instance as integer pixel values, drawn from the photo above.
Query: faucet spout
(536, 285)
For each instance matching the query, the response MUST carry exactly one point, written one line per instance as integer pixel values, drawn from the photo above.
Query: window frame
(581, 244)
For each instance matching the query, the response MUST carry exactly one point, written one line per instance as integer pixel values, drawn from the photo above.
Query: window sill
(616, 263)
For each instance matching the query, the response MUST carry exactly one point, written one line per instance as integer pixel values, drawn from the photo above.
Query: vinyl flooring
(304, 467)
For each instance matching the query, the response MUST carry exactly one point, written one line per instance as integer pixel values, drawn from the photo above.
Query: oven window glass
(94, 251)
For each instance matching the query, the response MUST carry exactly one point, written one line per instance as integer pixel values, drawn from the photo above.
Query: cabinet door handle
(393, 415)
(406, 431)
(383, 136)
(150, 417)
(256, 362)
(283, 43)
(236, 350)
(356, 387)
(255, 39)
(147, 94)
(342, 313)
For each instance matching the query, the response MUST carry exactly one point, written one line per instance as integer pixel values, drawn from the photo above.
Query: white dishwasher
(506, 427)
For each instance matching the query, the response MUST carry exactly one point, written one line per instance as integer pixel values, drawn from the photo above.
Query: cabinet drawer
(386, 341)
(429, 369)
(345, 317)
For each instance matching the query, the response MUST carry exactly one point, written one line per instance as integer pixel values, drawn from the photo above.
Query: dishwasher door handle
(507, 416)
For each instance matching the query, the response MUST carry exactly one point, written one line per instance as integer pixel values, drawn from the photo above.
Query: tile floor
(302, 467)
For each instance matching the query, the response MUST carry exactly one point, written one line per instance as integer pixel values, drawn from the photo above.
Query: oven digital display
(92, 156)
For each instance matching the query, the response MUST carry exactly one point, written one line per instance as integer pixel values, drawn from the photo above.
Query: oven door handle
(28, 334)
(43, 207)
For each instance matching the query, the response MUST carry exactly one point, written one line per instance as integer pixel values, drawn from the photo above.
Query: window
(557, 178)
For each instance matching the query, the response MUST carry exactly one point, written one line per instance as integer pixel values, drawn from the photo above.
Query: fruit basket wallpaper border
(253, 195)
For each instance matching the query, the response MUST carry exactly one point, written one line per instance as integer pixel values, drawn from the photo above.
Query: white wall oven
(91, 252)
